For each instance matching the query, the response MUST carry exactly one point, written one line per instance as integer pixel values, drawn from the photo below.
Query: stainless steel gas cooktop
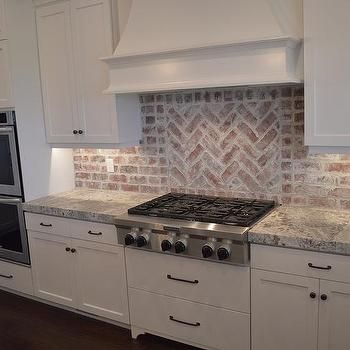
(195, 226)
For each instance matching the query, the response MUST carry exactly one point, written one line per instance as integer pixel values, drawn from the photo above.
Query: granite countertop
(292, 227)
(91, 205)
(305, 228)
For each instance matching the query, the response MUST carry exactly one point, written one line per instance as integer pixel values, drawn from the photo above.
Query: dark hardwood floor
(29, 325)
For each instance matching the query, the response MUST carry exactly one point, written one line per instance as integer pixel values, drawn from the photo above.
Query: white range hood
(184, 44)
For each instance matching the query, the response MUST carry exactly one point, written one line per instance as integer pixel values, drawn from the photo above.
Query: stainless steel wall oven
(13, 236)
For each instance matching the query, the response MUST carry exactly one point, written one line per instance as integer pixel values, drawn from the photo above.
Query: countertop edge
(298, 242)
(70, 213)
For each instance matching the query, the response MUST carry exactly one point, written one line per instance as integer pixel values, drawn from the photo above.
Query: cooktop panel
(229, 211)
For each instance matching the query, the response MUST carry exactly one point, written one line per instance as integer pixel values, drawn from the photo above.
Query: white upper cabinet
(6, 99)
(92, 39)
(72, 37)
(327, 74)
(56, 64)
(3, 34)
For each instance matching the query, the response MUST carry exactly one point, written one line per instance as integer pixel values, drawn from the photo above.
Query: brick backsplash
(245, 142)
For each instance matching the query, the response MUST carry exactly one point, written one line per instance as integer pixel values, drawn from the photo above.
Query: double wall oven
(13, 237)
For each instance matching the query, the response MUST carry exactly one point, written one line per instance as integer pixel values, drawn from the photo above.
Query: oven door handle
(10, 200)
(6, 129)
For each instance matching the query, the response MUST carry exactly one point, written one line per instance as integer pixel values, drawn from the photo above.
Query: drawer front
(16, 277)
(216, 284)
(301, 262)
(200, 324)
(86, 230)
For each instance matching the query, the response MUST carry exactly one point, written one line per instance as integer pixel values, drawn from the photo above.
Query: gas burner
(227, 211)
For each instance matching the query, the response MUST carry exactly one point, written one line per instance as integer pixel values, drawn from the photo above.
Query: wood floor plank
(29, 325)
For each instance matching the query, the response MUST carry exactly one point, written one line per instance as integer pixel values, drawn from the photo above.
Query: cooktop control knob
(207, 251)
(223, 253)
(166, 245)
(142, 240)
(180, 246)
(130, 238)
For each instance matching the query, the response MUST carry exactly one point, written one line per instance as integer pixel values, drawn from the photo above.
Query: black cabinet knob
(141, 241)
(179, 247)
(67, 249)
(166, 245)
(312, 295)
(324, 297)
(223, 253)
(207, 251)
(81, 132)
(75, 132)
(129, 239)
(73, 250)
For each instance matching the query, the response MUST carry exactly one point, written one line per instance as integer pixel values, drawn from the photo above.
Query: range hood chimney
(185, 44)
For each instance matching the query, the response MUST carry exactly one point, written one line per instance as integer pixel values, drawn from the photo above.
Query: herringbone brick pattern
(225, 146)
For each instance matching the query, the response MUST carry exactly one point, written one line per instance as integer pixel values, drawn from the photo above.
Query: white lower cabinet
(201, 303)
(284, 316)
(16, 277)
(101, 280)
(197, 324)
(53, 275)
(290, 311)
(334, 318)
(84, 275)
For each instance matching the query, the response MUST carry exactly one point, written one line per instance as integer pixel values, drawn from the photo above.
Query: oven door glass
(13, 237)
(9, 169)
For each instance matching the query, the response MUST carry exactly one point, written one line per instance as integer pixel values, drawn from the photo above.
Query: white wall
(45, 170)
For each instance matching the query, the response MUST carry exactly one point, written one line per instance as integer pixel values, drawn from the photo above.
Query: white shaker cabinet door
(327, 73)
(284, 312)
(3, 34)
(57, 72)
(52, 266)
(334, 317)
(101, 280)
(6, 99)
(92, 38)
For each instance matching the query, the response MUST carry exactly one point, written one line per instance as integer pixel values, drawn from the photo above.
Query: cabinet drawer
(198, 324)
(301, 262)
(86, 230)
(210, 283)
(16, 277)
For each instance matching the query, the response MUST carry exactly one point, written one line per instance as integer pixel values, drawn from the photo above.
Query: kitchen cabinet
(3, 34)
(6, 99)
(53, 276)
(334, 317)
(82, 274)
(72, 37)
(283, 314)
(327, 75)
(292, 310)
(16, 277)
(101, 280)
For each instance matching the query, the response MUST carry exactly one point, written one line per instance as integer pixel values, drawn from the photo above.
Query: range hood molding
(275, 58)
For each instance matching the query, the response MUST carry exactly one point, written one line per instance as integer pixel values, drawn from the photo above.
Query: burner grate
(229, 211)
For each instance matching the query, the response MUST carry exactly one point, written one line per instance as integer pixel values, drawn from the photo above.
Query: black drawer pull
(197, 324)
(169, 277)
(319, 267)
(45, 225)
(6, 276)
(95, 233)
